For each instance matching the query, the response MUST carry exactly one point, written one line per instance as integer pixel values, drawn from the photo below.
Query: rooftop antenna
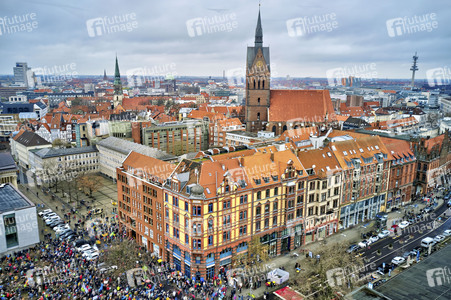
(413, 69)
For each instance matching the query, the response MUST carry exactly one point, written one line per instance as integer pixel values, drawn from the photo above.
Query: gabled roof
(31, 139)
(150, 168)
(304, 106)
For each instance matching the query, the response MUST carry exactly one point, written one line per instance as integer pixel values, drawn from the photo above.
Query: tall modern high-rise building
(20, 74)
(118, 94)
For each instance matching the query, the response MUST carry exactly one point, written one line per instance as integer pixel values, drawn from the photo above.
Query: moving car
(398, 260)
(403, 224)
(384, 234)
(353, 248)
(447, 232)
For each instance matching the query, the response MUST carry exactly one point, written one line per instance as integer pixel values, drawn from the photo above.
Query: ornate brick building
(279, 110)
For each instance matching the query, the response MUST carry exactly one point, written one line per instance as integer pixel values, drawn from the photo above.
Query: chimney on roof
(272, 157)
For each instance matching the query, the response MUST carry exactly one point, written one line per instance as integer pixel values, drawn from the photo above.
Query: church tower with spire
(258, 76)
(118, 94)
(105, 78)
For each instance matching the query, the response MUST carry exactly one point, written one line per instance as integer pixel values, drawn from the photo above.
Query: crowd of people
(54, 269)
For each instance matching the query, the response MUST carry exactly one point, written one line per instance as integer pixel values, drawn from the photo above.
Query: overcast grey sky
(164, 35)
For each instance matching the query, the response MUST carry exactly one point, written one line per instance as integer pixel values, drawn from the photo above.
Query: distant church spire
(105, 78)
(117, 80)
(259, 31)
(118, 94)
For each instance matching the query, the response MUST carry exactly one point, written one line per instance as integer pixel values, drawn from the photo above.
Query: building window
(274, 221)
(257, 226)
(210, 240)
(226, 235)
(186, 206)
(266, 222)
(268, 193)
(10, 225)
(259, 195)
(258, 210)
(210, 207)
(267, 208)
(276, 191)
(274, 206)
(300, 199)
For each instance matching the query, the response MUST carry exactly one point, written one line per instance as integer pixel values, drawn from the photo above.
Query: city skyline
(202, 39)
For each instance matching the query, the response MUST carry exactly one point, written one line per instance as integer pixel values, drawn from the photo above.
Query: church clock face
(260, 64)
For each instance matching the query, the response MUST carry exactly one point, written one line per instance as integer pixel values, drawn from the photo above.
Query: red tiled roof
(302, 105)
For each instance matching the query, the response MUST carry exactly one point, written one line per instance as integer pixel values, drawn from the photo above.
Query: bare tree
(90, 182)
(334, 271)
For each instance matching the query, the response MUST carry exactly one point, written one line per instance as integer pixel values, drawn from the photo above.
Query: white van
(426, 242)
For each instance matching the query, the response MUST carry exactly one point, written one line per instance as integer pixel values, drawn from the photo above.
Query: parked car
(84, 248)
(406, 254)
(447, 232)
(439, 238)
(353, 248)
(428, 209)
(384, 268)
(55, 223)
(403, 224)
(449, 203)
(374, 239)
(97, 211)
(92, 256)
(44, 212)
(384, 234)
(60, 230)
(49, 215)
(51, 220)
(364, 243)
(398, 260)
(61, 227)
(79, 243)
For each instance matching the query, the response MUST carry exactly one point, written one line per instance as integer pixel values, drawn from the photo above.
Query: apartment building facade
(434, 162)
(219, 128)
(140, 198)
(177, 138)
(64, 163)
(212, 209)
(365, 162)
(323, 188)
(402, 172)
